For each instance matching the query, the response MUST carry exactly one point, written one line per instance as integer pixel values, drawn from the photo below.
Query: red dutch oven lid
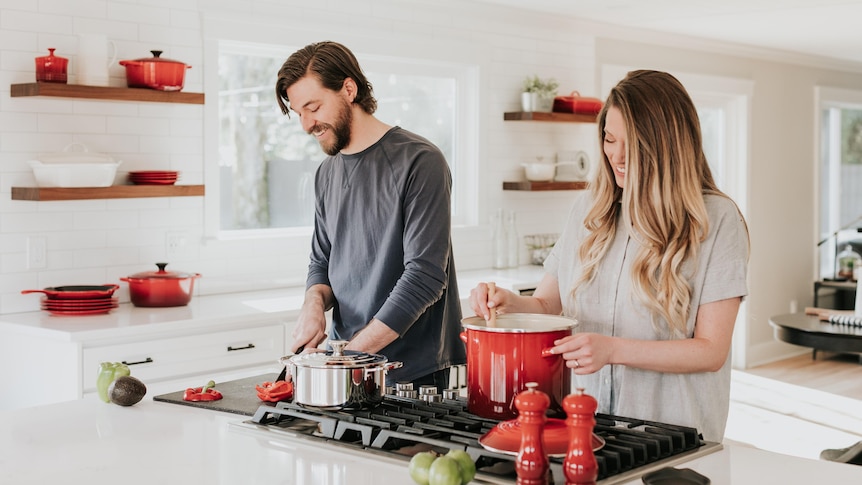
(155, 59)
(161, 274)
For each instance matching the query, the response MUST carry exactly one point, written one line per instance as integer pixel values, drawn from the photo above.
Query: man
(381, 254)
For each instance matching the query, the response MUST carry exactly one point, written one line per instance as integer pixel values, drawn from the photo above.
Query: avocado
(126, 391)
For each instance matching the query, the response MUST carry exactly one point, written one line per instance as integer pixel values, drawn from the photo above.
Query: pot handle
(463, 336)
(392, 365)
(547, 352)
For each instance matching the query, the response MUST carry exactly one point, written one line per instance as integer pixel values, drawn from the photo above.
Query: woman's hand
(585, 353)
(483, 305)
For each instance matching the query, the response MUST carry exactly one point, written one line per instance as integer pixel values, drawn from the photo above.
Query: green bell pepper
(108, 372)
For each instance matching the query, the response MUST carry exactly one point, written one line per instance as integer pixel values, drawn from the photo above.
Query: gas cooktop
(403, 426)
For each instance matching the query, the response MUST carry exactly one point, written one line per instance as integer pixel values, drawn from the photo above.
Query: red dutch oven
(155, 73)
(501, 360)
(161, 288)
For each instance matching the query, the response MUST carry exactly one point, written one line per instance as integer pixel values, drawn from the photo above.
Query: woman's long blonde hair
(667, 176)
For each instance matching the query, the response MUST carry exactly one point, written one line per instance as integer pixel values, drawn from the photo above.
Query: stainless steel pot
(338, 378)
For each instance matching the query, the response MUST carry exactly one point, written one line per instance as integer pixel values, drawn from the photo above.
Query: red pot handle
(463, 336)
(547, 352)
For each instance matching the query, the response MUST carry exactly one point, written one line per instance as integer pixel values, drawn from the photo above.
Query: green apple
(465, 462)
(420, 465)
(444, 471)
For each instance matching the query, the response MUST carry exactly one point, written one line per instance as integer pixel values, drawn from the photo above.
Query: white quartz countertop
(91, 442)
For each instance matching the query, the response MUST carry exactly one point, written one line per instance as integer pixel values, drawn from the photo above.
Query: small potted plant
(539, 94)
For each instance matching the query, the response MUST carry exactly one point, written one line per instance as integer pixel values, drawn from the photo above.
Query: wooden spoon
(492, 318)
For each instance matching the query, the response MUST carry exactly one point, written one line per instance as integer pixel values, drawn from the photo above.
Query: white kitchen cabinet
(167, 358)
(46, 359)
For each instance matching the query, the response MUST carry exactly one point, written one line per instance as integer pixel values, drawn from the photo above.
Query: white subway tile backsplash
(28, 21)
(64, 123)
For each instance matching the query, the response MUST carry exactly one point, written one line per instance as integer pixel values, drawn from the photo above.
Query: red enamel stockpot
(161, 288)
(155, 73)
(502, 359)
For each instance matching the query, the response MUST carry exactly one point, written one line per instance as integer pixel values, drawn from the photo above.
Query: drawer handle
(148, 360)
(231, 348)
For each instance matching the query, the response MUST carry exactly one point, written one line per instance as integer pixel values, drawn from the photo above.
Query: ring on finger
(577, 364)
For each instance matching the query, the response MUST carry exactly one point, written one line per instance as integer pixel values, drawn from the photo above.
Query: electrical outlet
(36, 252)
(176, 244)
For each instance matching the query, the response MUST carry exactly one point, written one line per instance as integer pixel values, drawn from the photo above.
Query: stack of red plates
(91, 306)
(154, 177)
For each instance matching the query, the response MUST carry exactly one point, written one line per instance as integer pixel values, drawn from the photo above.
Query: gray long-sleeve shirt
(382, 242)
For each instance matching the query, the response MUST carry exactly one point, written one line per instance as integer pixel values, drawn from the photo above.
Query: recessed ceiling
(823, 28)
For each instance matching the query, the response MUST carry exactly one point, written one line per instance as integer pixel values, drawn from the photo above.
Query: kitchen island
(90, 442)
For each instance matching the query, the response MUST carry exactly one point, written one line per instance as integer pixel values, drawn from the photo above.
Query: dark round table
(809, 331)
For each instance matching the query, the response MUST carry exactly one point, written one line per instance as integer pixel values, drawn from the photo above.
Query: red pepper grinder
(531, 464)
(579, 466)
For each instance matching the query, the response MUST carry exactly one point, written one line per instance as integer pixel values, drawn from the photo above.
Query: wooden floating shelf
(113, 192)
(537, 186)
(100, 92)
(540, 116)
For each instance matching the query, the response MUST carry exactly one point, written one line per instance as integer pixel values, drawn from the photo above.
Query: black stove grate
(404, 426)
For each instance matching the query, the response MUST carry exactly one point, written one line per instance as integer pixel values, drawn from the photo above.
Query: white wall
(94, 242)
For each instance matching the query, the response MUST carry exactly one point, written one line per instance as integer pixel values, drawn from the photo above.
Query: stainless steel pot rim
(336, 358)
(521, 323)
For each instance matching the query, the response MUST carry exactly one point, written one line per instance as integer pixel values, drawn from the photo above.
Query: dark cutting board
(240, 396)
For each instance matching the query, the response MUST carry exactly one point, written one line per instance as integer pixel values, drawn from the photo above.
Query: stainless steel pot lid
(337, 357)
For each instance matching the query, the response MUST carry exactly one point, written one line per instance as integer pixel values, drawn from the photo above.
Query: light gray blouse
(608, 306)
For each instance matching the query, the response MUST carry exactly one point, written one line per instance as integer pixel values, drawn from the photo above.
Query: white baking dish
(75, 166)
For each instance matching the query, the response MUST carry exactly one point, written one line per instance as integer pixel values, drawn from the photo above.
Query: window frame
(465, 193)
(826, 238)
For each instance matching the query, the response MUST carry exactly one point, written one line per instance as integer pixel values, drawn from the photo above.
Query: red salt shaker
(579, 466)
(51, 68)
(531, 464)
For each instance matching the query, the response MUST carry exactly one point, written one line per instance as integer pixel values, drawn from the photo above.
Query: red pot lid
(505, 438)
(156, 58)
(162, 274)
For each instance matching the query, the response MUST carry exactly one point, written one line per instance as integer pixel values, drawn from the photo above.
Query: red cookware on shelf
(155, 73)
(51, 68)
(161, 288)
(575, 103)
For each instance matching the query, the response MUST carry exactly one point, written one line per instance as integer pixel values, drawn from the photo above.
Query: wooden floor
(839, 374)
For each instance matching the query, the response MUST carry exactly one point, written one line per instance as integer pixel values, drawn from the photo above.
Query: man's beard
(340, 130)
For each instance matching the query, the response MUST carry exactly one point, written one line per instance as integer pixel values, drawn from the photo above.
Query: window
(840, 174)
(267, 162)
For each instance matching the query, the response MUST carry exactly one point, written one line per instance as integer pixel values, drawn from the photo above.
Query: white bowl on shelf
(539, 172)
(75, 166)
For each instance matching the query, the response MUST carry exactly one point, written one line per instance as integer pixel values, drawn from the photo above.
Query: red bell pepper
(275, 391)
(205, 393)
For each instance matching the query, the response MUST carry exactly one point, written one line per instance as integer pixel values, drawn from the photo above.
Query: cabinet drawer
(166, 358)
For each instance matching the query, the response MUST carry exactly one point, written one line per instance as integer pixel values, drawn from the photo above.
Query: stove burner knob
(390, 390)
(427, 389)
(450, 393)
(403, 386)
(431, 397)
(410, 394)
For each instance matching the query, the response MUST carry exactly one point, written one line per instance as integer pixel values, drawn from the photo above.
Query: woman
(652, 263)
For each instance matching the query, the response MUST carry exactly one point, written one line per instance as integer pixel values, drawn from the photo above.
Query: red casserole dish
(161, 288)
(155, 73)
(575, 103)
